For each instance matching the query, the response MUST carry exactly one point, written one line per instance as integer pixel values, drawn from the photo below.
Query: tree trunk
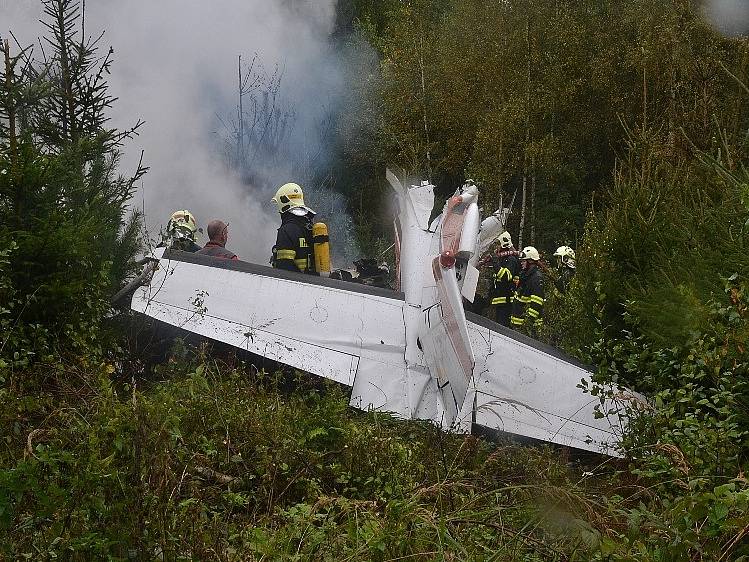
(527, 128)
(13, 139)
(68, 114)
(533, 200)
(240, 117)
(424, 105)
(11, 108)
(522, 212)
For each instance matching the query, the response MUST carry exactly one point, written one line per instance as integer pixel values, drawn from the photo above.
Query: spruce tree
(63, 203)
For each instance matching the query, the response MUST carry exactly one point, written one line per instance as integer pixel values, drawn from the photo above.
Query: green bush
(63, 206)
(221, 463)
(660, 247)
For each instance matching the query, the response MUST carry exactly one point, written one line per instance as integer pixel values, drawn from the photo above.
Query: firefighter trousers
(502, 313)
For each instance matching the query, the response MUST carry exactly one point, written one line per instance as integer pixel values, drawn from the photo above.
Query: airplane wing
(355, 335)
(524, 387)
(349, 333)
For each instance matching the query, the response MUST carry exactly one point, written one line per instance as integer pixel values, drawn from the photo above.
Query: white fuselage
(413, 353)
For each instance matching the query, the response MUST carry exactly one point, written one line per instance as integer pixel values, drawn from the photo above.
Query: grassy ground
(221, 462)
(225, 463)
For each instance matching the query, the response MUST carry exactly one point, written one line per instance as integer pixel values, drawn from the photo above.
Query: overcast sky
(175, 67)
(729, 16)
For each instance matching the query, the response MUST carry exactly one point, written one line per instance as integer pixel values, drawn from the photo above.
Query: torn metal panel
(447, 349)
(534, 391)
(380, 387)
(470, 282)
(317, 329)
(416, 354)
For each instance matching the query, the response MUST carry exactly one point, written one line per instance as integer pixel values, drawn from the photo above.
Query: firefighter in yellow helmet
(181, 231)
(527, 310)
(294, 249)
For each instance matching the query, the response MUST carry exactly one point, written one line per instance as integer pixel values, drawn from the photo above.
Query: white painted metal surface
(414, 354)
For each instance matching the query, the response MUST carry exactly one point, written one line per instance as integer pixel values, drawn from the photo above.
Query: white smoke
(731, 17)
(175, 67)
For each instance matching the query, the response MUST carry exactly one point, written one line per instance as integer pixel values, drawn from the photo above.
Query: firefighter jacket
(294, 249)
(217, 251)
(564, 279)
(529, 299)
(506, 266)
(182, 244)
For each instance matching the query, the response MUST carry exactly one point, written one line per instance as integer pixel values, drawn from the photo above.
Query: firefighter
(527, 310)
(294, 249)
(506, 267)
(218, 233)
(181, 231)
(565, 268)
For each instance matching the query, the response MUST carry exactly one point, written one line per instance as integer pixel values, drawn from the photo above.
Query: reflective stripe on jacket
(294, 249)
(506, 266)
(529, 299)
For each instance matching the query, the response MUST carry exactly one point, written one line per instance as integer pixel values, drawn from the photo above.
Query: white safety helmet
(530, 253)
(566, 256)
(505, 240)
(288, 196)
(470, 187)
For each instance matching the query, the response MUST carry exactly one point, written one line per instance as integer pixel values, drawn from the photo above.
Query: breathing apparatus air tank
(321, 242)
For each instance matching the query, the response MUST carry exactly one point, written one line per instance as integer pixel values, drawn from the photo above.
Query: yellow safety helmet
(566, 256)
(530, 253)
(288, 196)
(182, 223)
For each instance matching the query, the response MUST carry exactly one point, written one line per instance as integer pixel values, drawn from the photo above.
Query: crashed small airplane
(412, 352)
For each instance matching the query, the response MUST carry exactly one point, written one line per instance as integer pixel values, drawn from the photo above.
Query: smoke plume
(175, 67)
(731, 17)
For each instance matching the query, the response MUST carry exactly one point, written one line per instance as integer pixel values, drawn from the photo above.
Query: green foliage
(654, 308)
(546, 90)
(220, 463)
(21, 342)
(63, 206)
(698, 389)
(678, 333)
(653, 257)
(707, 522)
(689, 443)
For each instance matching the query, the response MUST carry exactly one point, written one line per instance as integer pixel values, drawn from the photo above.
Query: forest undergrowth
(626, 124)
(214, 460)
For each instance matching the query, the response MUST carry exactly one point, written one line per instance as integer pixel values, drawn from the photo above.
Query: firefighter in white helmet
(506, 267)
(181, 231)
(565, 268)
(527, 310)
(294, 249)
